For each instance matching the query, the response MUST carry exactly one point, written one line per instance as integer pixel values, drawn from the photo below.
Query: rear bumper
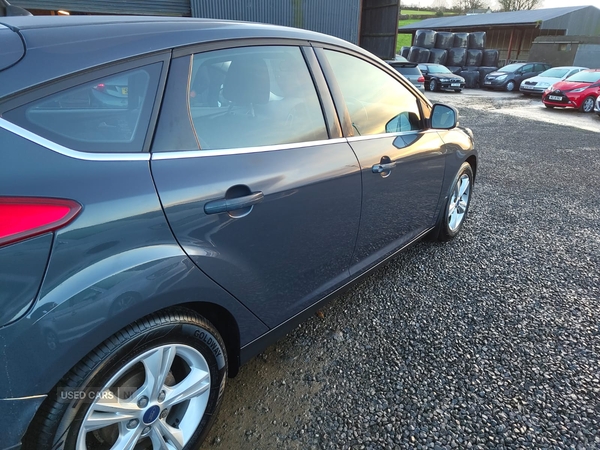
(16, 415)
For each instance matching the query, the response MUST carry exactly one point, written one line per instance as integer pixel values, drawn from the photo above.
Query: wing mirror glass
(443, 117)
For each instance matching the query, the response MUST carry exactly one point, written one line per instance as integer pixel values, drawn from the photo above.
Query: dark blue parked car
(176, 194)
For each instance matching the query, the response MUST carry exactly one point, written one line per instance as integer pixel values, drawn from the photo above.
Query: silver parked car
(410, 71)
(541, 82)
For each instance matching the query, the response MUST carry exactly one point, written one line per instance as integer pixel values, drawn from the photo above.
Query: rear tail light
(25, 217)
(421, 80)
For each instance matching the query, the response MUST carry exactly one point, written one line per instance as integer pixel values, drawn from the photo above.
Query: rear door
(402, 164)
(257, 183)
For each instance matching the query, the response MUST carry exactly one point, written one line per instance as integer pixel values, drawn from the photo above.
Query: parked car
(597, 107)
(438, 77)
(510, 77)
(410, 71)
(155, 240)
(578, 91)
(541, 82)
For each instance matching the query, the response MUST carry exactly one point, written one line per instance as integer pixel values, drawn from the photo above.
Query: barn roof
(535, 17)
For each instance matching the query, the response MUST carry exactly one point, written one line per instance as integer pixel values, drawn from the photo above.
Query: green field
(414, 11)
(404, 39)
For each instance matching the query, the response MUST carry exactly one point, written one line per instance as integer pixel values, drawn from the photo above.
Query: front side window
(253, 96)
(109, 114)
(376, 101)
(527, 68)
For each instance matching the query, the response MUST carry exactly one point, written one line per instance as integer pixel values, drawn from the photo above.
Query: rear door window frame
(187, 53)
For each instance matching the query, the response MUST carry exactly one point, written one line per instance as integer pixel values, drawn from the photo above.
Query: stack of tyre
(463, 53)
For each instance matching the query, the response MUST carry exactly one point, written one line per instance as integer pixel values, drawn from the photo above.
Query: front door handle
(233, 204)
(383, 167)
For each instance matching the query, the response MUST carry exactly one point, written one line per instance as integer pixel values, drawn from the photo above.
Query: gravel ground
(489, 341)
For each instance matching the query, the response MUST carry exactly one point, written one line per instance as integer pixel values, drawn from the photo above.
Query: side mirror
(443, 117)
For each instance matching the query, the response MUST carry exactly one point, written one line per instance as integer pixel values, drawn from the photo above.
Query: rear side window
(253, 96)
(109, 114)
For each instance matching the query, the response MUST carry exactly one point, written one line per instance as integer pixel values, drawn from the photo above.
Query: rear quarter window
(109, 114)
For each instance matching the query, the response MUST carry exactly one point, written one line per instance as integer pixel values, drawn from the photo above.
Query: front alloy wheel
(157, 384)
(453, 216)
(459, 201)
(588, 104)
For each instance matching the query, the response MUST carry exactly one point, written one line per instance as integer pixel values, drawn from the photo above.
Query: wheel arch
(227, 327)
(472, 160)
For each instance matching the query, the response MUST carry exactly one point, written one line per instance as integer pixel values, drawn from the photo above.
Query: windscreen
(554, 73)
(510, 68)
(585, 77)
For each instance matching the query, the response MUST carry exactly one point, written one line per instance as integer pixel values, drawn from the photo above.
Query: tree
(469, 5)
(517, 5)
(439, 5)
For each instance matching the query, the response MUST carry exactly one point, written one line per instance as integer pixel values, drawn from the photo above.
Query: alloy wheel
(588, 105)
(155, 401)
(459, 202)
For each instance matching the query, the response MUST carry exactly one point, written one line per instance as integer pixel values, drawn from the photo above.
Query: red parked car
(578, 91)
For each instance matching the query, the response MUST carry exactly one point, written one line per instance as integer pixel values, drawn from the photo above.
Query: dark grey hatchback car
(175, 195)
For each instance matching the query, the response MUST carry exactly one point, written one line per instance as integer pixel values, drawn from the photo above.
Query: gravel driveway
(489, 341)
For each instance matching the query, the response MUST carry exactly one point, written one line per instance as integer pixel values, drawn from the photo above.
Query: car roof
(567, 67)
(64, 45)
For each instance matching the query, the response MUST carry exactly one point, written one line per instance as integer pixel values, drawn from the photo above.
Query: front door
(402, 165)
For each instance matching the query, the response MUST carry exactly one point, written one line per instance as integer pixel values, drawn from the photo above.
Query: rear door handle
(233, 204)
(379, 168)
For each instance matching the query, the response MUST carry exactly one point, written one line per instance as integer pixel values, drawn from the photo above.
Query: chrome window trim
(381, 135)
(57, 148)
(243, 150)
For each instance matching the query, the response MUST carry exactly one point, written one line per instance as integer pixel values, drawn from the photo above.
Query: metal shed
(513, 33)
(372, 24)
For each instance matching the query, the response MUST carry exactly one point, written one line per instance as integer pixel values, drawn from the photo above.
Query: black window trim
(55, 86)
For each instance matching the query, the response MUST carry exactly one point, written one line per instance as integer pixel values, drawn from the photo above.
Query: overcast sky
(545, 3)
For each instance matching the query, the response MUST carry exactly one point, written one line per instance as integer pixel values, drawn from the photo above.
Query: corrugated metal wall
(583, 22)
(588, 55)
(379, 27)
(335, 17)
(142, 7)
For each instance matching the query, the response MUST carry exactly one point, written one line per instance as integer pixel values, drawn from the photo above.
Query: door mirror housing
(443, 117)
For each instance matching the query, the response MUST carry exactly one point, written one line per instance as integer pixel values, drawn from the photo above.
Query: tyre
(510, 86)
(157, 383)
(587, 106)
(548, 106)
(458, 90)
(454, 213)
(433, 85)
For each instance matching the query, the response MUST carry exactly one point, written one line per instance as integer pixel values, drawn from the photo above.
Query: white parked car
(541, 82)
